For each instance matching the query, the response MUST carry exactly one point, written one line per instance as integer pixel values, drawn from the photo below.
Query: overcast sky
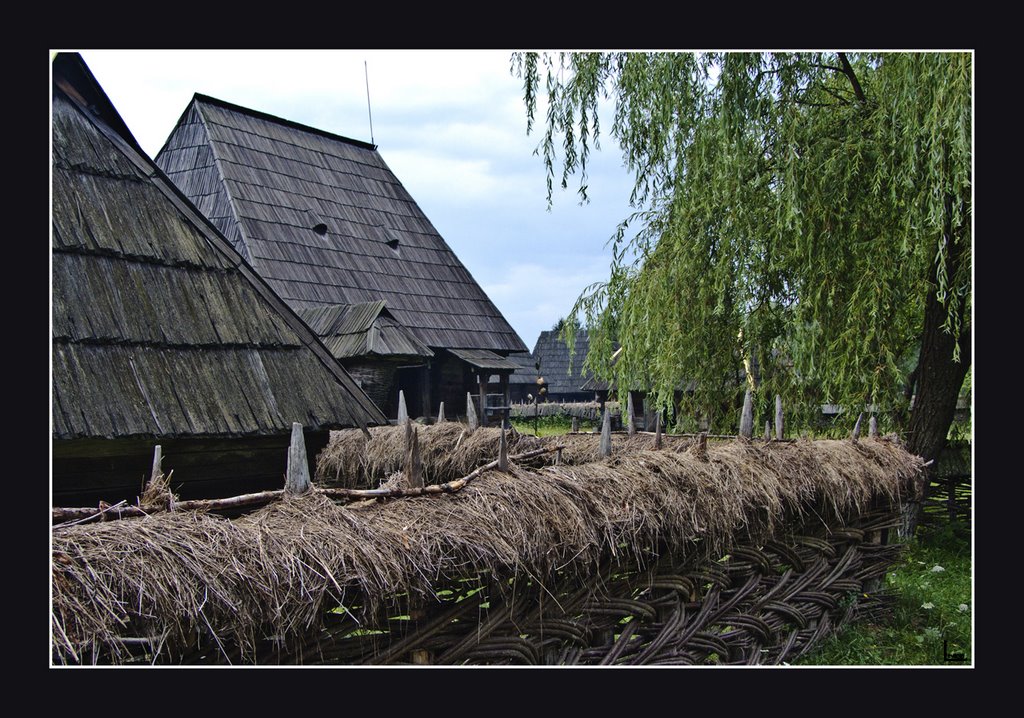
(450, 124)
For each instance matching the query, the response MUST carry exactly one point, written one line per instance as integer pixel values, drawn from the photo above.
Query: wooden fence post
(575, 424)
(856, 428)
(657, 430)
(778, 417)
(413, 464)
(297, 476)
(158, 459)
(767, 430)
(440, 414)
(606, 435)
(747, 416)
(403, 414)
(699, 449)
(502, 452)
(873, 427)
(471, 413)
(629, 412)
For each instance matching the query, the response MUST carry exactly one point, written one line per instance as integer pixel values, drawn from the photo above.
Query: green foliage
(792, 212)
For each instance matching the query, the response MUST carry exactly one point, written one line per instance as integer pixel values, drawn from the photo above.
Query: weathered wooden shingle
(159, 327)
(326, 222)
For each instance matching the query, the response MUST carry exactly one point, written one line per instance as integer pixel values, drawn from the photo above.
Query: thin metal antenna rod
(366, 72)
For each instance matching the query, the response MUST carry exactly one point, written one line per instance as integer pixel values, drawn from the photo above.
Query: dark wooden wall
(377, 377)
(87, 471)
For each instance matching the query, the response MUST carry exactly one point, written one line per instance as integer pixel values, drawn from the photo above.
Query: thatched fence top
(190, 586)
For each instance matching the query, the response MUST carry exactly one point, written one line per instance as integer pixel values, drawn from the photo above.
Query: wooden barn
(162, 334)
(325, 221)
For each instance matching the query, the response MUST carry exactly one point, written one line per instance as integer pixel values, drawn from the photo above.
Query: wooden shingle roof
(526, 372)
(562, 374)
(354, 330)
(159, 328)
(326, 222)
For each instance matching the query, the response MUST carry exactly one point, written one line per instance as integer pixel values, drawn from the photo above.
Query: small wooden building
(382, 356)
(563, 374)
(325, 222)
(162, 334)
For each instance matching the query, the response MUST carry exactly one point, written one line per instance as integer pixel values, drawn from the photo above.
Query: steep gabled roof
(326, 222)
(159, 328)
(353, 330)
(564, 375)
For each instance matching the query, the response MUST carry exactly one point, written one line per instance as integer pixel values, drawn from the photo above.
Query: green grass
(549, 425)
(930, 622)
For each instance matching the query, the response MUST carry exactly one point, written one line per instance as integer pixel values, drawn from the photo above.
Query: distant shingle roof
(562, 374)
(326, 222)
(158, 326)
(353, 330)
(526, 372)
(483, 359)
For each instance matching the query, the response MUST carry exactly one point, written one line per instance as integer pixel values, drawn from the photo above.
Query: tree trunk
(939, 380)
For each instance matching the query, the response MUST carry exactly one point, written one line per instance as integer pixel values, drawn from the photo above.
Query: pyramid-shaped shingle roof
(325, 221)
(159, 327)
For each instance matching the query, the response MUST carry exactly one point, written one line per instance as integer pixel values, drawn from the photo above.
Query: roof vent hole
(320, 228)
(393, 243)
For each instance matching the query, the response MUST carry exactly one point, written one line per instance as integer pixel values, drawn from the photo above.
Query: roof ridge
(224, 104)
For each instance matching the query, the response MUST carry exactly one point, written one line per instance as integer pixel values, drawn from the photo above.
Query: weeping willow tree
(801, 226)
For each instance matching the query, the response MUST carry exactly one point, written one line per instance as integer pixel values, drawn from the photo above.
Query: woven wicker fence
(731, 553)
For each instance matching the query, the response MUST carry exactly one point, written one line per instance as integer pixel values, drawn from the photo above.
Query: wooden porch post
(506, 402)
(482, 378)
(426, 392)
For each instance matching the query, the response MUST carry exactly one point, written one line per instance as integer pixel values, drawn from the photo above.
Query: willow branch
(848, 71)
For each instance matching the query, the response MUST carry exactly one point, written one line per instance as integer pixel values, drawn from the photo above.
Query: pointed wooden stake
(471, 413)
(657, 431)
(767, 430)
(778, 417)
(502, 452)
(856, 428)
(699, 449)
(440, 414)
(158, 460)
(558, 456)
(575, 424)
(629, 411)
(873, 427)
(413, 464)
(403, 414)
(747, 416)
(297, 476)
(606, 435)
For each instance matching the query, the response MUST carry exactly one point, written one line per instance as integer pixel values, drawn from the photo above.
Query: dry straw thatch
(448, 452)
(191, 587)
